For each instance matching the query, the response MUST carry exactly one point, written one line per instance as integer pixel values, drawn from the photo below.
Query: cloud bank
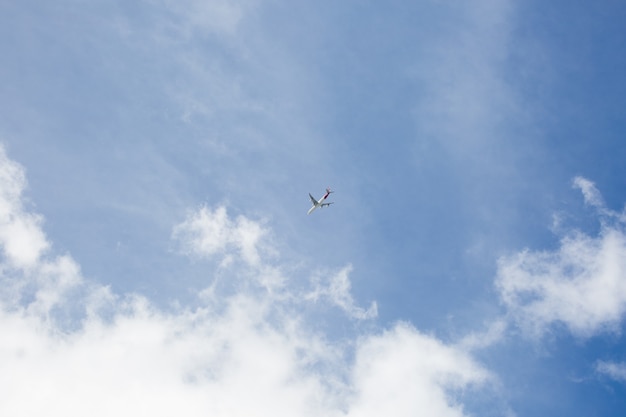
(71, 346)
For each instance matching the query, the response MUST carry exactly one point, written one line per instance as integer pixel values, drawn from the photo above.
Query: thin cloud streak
(614, 370)
(337, 291)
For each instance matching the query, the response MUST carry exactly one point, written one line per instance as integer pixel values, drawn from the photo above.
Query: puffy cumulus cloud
(582, 284)
(143, 361)
(253, 354)
(236, 363)
(209, 233)
(21, 237)
(242, 246)
(403, 371)
(42, 283)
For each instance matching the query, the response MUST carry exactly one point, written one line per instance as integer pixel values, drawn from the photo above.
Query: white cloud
(209, 233)
(337, 291)
(494, 332)
(240, 244)
(582, 284)
(212, 233)
(590, 192)
(251, 354)
(148, 362)
(593, 197)
(614, 370)
(404, 372)
(21, 238)
(235, 363)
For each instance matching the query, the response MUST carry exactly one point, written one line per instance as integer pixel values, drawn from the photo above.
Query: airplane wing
(313, 200)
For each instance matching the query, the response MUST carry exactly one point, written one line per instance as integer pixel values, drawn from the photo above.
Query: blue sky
(156, 256)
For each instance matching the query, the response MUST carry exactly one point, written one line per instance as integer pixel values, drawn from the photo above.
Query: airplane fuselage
(320, 202)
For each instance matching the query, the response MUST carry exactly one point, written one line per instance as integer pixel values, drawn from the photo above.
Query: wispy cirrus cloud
(614, 370)
(590, 193)
(468, 86)
(221, 17)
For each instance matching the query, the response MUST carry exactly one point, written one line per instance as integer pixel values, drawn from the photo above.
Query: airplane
(320, 203)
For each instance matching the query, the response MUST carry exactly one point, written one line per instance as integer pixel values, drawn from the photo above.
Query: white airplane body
(320, 202)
